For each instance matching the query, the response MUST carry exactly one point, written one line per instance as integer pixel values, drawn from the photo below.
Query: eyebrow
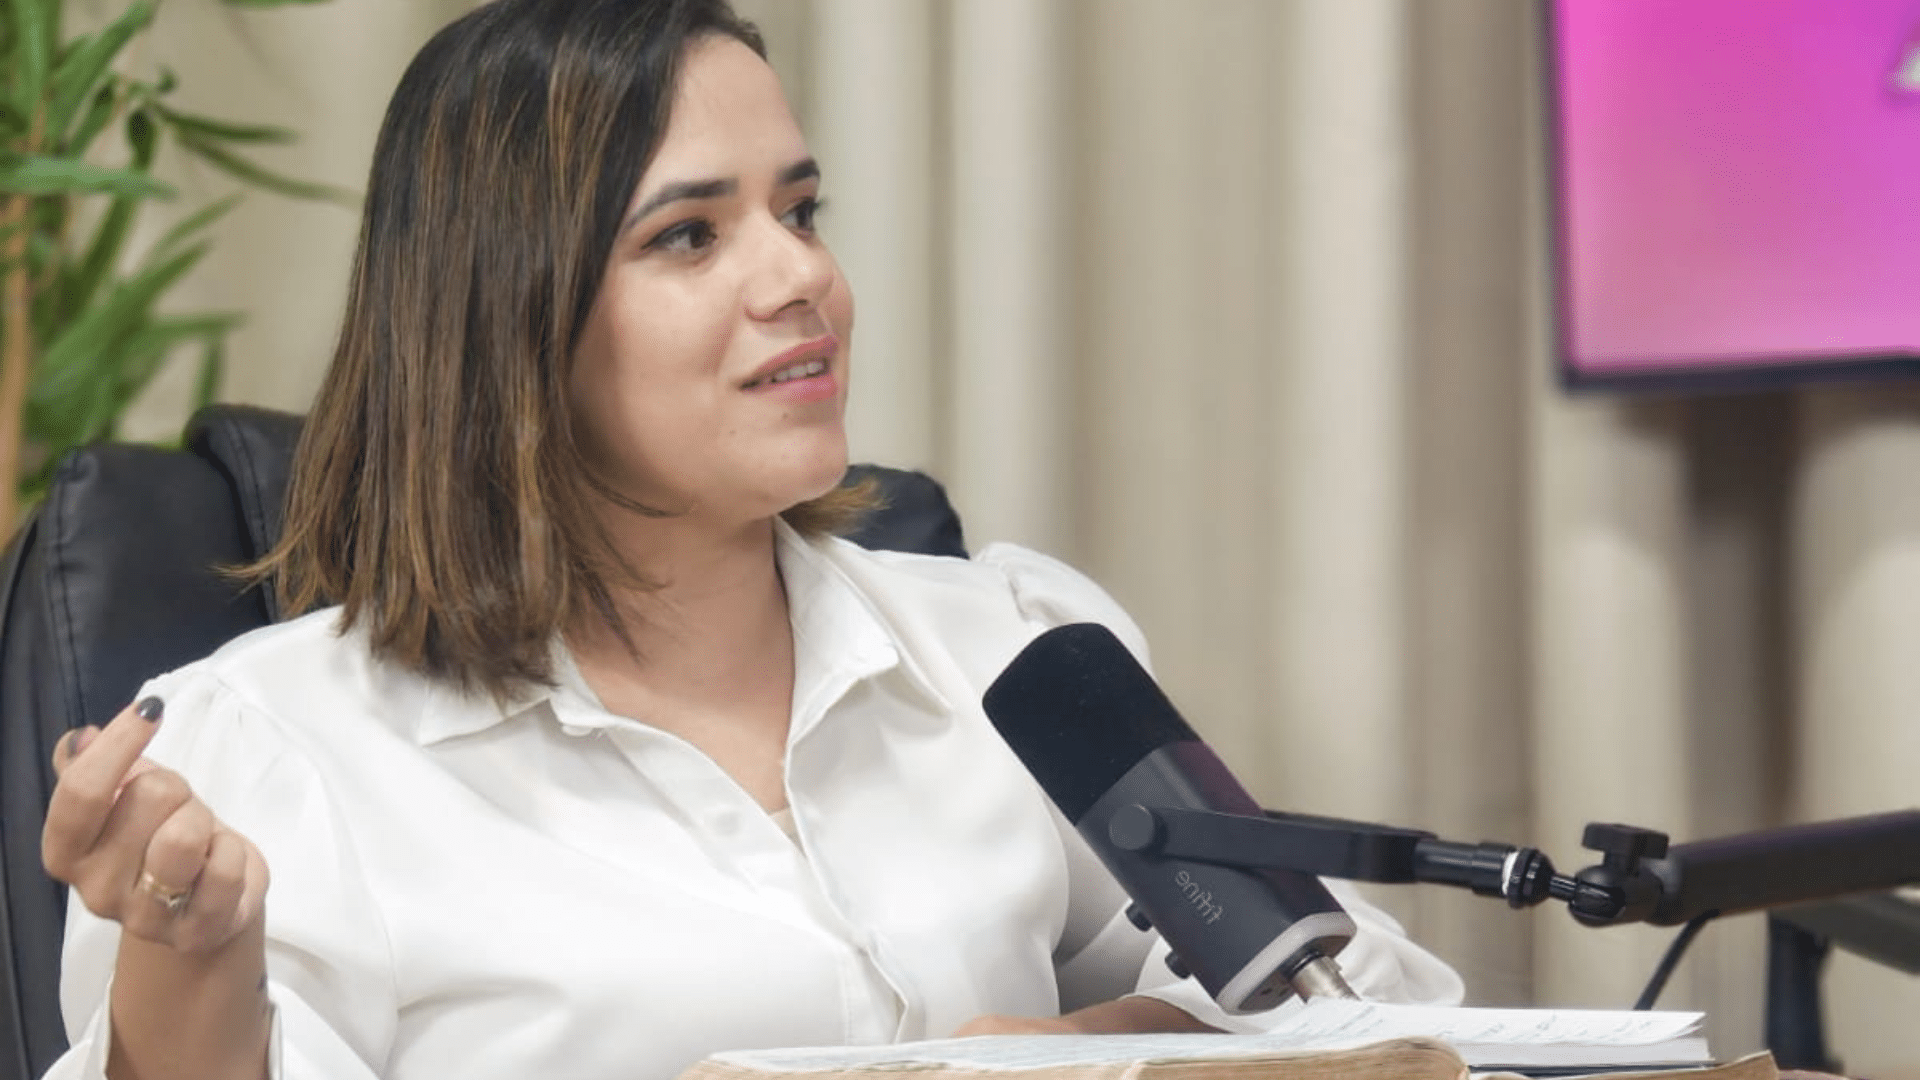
(805, 169)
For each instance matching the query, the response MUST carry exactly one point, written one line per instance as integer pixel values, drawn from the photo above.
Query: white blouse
(545, 889)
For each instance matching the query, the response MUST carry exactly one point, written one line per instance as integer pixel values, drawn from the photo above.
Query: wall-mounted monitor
(1736, 189)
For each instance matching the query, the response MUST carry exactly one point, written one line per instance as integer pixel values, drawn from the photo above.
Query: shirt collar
(839, 637)
(450, 712)
(839, 640)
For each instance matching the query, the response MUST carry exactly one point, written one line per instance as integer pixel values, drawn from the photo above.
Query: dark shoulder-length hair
(439, 492)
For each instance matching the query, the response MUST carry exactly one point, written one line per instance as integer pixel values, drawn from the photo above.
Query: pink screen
(1739, 182)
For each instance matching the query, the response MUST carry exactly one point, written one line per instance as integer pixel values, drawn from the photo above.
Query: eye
(801, 216)
(686, 238)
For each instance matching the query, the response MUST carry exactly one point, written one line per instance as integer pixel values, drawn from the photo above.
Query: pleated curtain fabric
(1242, 306)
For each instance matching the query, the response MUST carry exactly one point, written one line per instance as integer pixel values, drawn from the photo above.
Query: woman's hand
(141, 849)
(189, 993)
(1120, 1016)
(996, 1024)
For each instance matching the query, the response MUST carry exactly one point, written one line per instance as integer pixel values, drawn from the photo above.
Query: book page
(1493, 1036)
(1396, 1059)
(1326, 1023)
(991, 1052)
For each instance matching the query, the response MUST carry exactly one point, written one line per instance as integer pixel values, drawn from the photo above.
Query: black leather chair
(113, 581)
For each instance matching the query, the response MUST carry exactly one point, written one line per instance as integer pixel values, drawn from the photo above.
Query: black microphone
(1101, 738)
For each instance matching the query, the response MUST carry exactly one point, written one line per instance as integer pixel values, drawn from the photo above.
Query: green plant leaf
(82, 68)
(58, 424)
(50, 215)
(38, 174)
(119, 377)
(42, 251)
(102, 339)
(12, 124)
(76, 352)
(33, 489)
(143, 135)
(148, 347)
(99, 113)
(95, 420)
(223, 130)
(241, 169)
(149, 92)
(36, 32)
(166, 331)
(191, 224)
(103, 251)
(79, 416)
(213, 371)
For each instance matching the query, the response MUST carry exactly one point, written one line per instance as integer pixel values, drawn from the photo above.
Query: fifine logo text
(1201, 899)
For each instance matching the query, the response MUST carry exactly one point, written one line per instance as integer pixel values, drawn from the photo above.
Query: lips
(807, 360)
(804, 370)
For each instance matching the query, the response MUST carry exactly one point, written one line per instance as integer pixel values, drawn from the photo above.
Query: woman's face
(711, 376)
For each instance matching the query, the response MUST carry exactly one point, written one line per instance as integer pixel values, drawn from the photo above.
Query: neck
(719, 603)
(713, 659)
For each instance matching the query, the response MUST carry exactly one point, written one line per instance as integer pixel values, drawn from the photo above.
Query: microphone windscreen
(1079, 711)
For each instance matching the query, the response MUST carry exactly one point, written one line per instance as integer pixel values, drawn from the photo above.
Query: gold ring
(174, 900)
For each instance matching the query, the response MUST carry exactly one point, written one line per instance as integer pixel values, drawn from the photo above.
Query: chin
(825, 478)
(811, 476)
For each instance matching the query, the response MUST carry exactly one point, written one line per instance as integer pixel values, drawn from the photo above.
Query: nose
(792, 270)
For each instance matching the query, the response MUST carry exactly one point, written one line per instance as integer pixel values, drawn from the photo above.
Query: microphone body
(1101, 737)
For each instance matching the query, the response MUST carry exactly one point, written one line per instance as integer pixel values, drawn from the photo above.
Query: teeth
(804, 371)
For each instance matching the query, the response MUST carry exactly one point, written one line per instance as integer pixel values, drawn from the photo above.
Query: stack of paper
(1320, 1039)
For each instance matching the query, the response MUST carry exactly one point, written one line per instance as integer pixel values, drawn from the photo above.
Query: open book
(1323, 1039)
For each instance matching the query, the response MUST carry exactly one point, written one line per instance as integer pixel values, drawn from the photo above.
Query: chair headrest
(253, 448)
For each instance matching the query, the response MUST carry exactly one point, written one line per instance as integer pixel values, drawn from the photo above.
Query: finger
(253, 898)
(75, 742)
(108, 873)
(140, 767)
(71, 744)
(175, 858)
(89, 781)
(210, 917)
(178, 850)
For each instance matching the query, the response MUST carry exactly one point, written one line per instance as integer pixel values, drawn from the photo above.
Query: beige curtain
(1239, 305)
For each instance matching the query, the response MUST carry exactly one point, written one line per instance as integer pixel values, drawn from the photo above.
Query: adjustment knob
(1136, 828)
(1624, 845)
(1178, 968)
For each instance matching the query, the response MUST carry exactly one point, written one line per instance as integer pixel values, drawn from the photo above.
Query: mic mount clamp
(1621, 873)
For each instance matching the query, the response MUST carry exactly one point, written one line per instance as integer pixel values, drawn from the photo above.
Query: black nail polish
(150, 708)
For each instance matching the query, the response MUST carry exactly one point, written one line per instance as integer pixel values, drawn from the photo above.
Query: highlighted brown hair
(438, 492)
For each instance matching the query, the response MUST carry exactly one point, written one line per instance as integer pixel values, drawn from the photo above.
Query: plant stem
(16, 348)
(18, 357)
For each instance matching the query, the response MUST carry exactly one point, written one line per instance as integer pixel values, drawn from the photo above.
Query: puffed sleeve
(1102, 955)
(328, 967)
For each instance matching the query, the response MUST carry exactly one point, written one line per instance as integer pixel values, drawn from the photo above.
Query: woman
(609, 756)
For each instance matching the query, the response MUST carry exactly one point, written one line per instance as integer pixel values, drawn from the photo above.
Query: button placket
(874, 983)
(712, 806)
